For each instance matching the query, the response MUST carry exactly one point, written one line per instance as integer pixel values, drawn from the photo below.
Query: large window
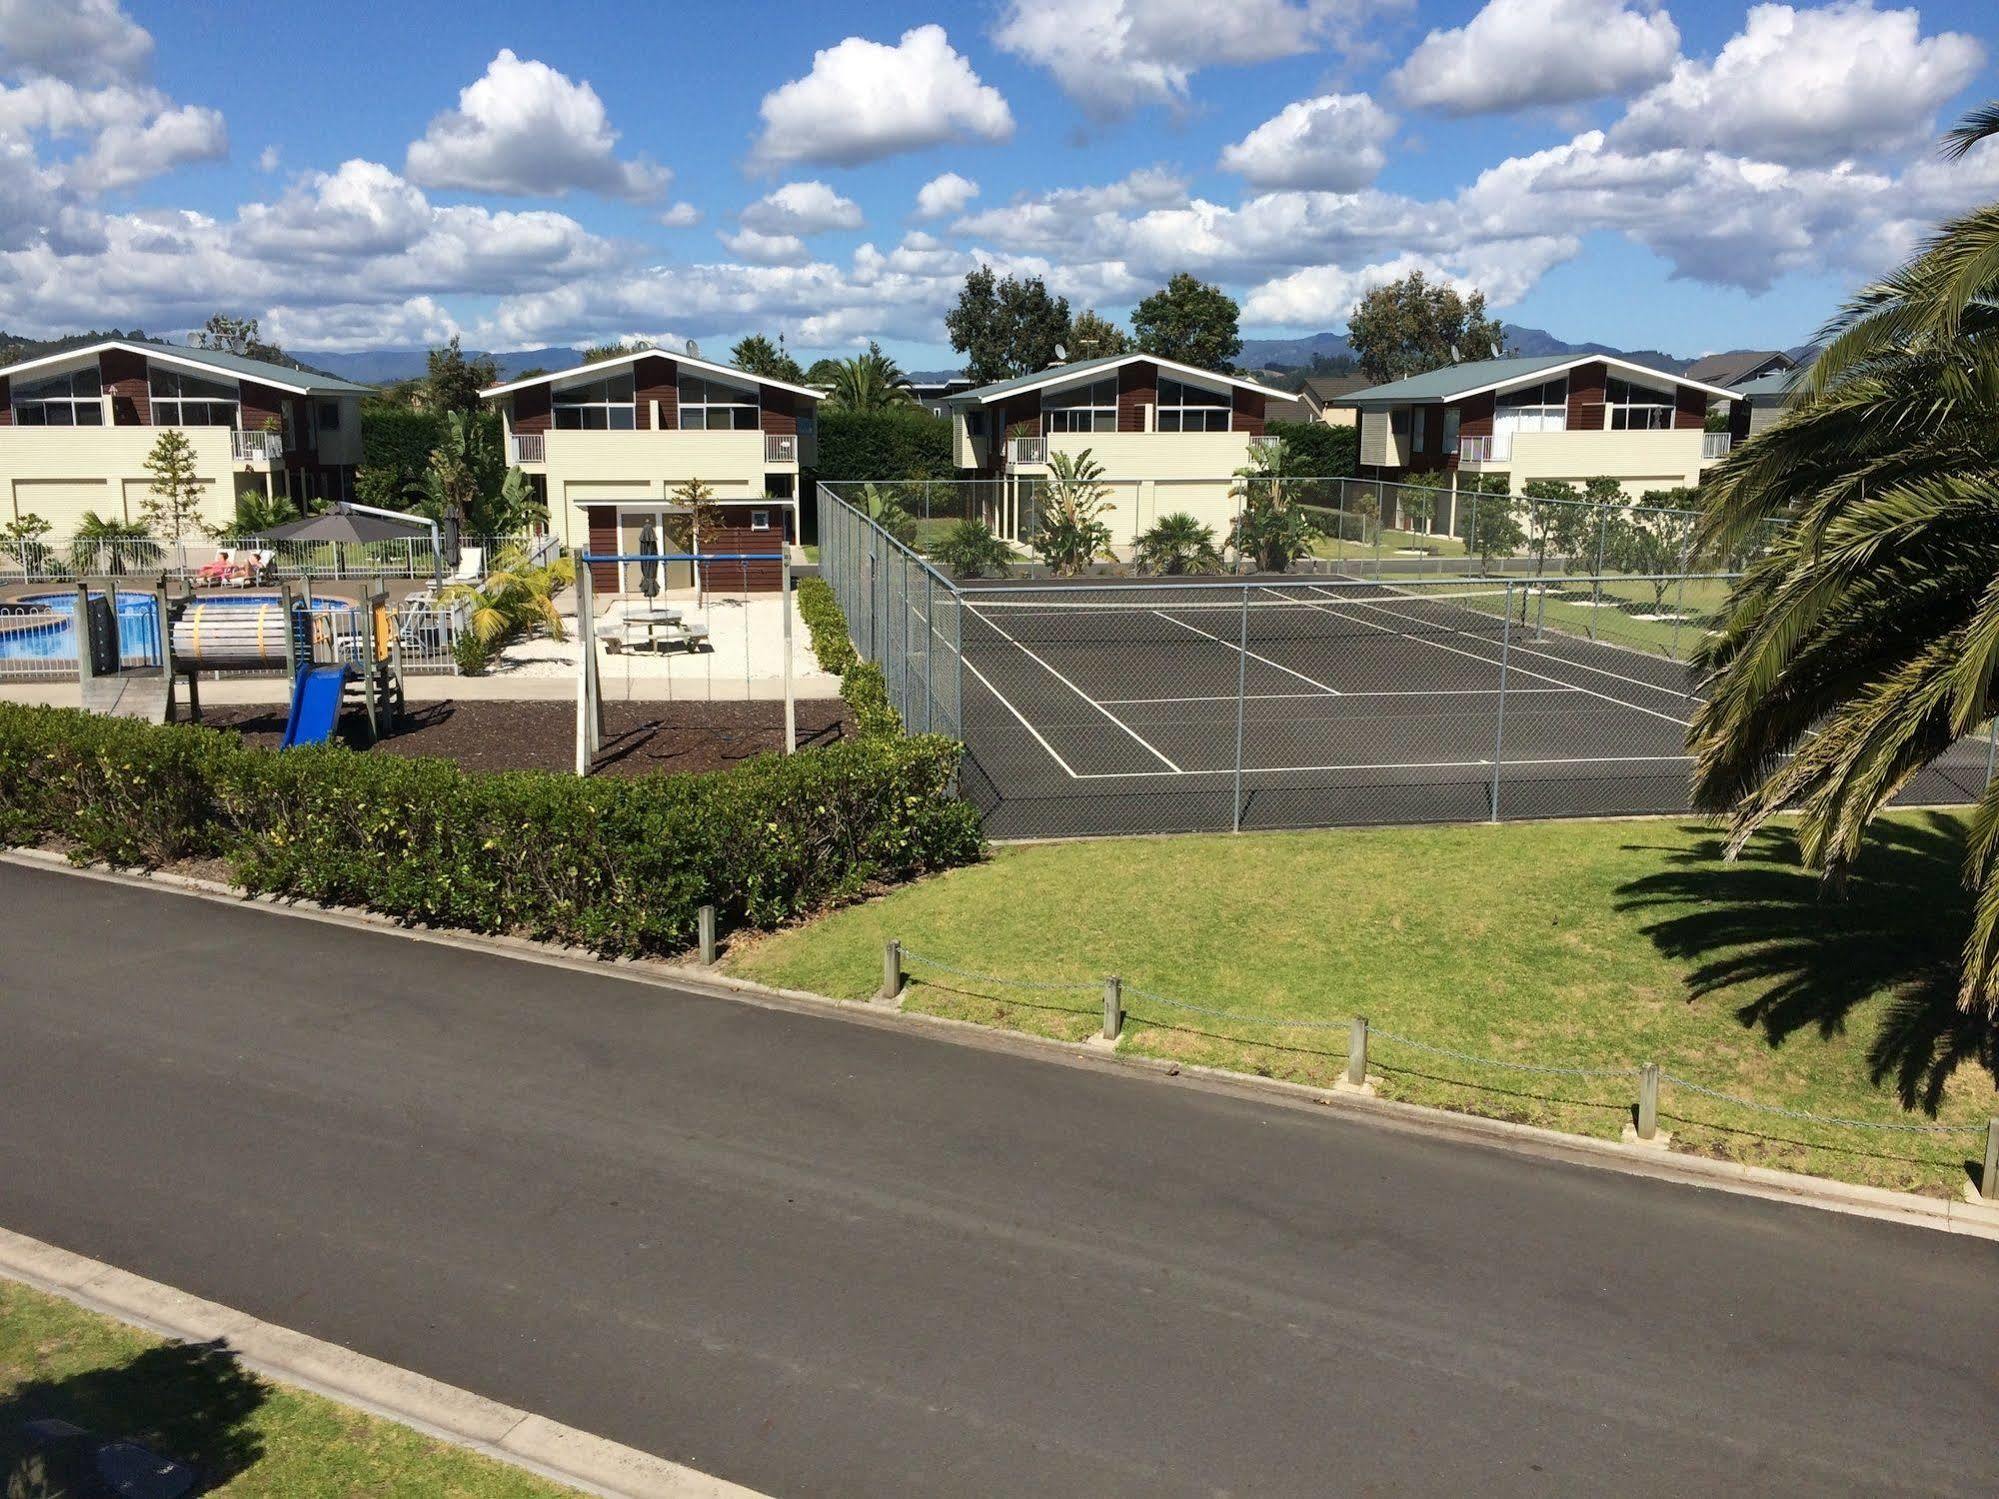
(72, 400)
(709, 405)
(1087, 408)
(601, 406)
(1533, 408)
(184, 400)
(1189, 408)
(1629, 407)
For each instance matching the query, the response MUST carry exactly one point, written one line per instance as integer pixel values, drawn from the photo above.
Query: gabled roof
(1777, 387)
(1732, 369)
(1328, 389)
(1062, 374)
(279, 376)
(634, 355)
(1456, 381)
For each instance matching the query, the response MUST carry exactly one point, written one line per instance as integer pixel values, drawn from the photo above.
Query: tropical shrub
(1272, 529)
(1071, 531)
(970, 550)
(1177, 544)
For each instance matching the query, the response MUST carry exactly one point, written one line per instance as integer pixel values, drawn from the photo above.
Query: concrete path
(819, 1258)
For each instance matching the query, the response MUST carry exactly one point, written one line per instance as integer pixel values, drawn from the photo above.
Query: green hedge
(617, 866)
(1320, 451)
(901, 443)
(861, 682)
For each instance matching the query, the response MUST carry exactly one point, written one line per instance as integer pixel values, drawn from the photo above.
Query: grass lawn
(1620, 616)
(247, 1435)
(1396, 546)
(1603, 944)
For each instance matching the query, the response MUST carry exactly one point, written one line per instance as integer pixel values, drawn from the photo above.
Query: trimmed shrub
(901, 443)
(861, 682)
(617, 866)
(1317, 450)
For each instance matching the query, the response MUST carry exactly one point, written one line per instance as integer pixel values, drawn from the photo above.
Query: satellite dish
(1456, 357)
(1061, 352)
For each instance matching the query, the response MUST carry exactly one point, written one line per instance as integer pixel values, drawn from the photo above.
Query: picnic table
(662, 624)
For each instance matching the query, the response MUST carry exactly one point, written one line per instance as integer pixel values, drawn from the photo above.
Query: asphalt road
(819, 1258)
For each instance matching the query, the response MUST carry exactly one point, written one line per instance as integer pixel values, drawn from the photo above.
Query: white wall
(60, 472)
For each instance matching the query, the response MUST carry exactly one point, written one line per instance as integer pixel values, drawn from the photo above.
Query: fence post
(891, 969)
(1113, 1007)
(1499, 709)
(1357, 1052)
(1241, 704)
(1596, 580)
(704, 921)
(790, 693)
(1988, 1180)
(1648, 1101)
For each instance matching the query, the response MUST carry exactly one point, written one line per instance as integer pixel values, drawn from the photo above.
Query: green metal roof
(1039, 377)
(258, 369)
(1456, 379)
(1779, 384)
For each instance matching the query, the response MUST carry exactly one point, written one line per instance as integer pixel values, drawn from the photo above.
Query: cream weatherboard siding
(1379, 446)
(60, 472)
(599, 466)
(1639, 460)
(1153, 474)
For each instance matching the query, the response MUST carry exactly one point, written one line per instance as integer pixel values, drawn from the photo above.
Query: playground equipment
(356, 643)
(589, 682)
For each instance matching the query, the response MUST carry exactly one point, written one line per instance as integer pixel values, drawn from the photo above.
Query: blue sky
(1686, 176)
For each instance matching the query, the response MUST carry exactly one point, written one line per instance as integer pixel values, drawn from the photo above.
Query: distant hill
(1295, 353)
(386, 366)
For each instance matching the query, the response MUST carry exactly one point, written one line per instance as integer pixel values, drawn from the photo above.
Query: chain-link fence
(1094, 705)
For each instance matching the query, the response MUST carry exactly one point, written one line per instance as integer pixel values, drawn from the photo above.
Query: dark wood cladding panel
(6, 402)
(779, 410)
(603, 541)
(124, 375)
(532, 409)
(655, 387)
(257, 404)
(1475, 416)
(735, 535)
(1137, 388)
(1689, 407)
(1248, 415)
(1586, 397)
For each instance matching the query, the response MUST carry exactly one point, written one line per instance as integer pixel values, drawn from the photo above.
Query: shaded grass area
(1618, 612)
(1592, 945)
(195, 1403)
(1396, 546)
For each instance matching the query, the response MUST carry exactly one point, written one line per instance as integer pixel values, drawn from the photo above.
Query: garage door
(62, 502)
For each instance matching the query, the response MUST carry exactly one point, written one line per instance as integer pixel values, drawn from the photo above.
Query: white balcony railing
(1497, 448)
(526, 447)
(780, 447)
(1027, 450)
(257, 447)
(1716, 444)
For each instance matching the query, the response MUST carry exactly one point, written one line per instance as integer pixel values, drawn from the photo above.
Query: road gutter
(1948, 1215)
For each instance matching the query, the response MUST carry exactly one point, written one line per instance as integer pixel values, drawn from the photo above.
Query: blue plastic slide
(316, 705)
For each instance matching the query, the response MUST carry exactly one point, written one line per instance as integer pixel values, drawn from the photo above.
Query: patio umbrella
(649, 560)
(450, 539)
(345, 526)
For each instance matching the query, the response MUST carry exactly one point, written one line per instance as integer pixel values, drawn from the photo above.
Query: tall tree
(1093, 337)
(823, 373)
(1006, 327)
(869, 382)
(1189, 321)
(172, 507)
(1405, 327)
(1863, 640)
(231, 335)
(452, 382)
(757, 355)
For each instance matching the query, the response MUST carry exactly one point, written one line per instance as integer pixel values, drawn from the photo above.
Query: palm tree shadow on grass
(1814, 957)
(191, 1401)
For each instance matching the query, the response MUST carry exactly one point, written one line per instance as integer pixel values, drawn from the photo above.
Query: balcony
(257, 447)
(1716, 445)
(526, 447)
(780, 447)
(1026, 450)
(1473, 451)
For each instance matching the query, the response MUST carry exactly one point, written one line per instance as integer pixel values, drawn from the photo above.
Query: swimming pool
(39, 629)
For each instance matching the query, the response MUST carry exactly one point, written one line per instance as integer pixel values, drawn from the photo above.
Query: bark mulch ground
(639, 737)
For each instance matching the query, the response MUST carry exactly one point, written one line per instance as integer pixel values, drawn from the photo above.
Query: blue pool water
(42, 626)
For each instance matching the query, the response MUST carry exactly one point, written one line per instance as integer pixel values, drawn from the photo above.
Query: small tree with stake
(172, 507)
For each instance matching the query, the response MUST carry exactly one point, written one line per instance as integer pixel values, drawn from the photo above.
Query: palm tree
(1178, 544)
(869, 382)
(1071, 531)
(1271, 531)
(115, 543)
(1863, 639)
(516, 595)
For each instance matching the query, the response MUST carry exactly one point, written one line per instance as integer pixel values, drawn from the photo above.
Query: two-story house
(1558, 416)
(76, 429)
(607, 445)
(1169, 437)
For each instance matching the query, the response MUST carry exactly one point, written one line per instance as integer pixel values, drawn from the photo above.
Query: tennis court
(1157, 707)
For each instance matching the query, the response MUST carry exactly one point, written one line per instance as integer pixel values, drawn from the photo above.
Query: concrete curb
(1948, 1215)
(520, 1438)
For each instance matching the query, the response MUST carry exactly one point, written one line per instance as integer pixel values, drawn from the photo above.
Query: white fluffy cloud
(1515, 54)
(866, 100)
(1809, 87)
(523, 128)
(802, 208)
(1111, 56)
(88, 42)
(945, 195)
(759, 248)
(1334, 142)
(680, 216)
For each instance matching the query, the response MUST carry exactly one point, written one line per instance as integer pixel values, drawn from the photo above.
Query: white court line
(1219, 640)
(1285, 697)
(1075, 689)
(1024, 723)
(1516, 646)
(1278, 770)
(1488, 660)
